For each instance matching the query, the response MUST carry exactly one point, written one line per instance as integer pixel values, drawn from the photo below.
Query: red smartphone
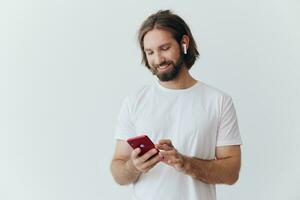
(143, 142)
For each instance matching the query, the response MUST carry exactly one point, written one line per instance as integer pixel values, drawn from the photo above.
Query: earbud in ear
(184, 48)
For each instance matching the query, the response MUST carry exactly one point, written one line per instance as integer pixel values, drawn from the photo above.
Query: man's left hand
(170, 155)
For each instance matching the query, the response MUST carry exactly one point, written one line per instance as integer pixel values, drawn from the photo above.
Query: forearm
(124, 172)
(222, 171)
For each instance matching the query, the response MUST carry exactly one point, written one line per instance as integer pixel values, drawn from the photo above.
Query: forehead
(156, 38)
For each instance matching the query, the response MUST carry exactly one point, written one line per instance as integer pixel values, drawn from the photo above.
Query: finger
(135, 153)
(148, 155)
(172, 152)
(161, 156)
(150, 167)
(151, 162)
(169, 158)
(165, 147)
(168, 161)
(165, 141)
(165, 159)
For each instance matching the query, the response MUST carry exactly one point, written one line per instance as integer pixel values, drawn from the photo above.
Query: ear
(185, 40)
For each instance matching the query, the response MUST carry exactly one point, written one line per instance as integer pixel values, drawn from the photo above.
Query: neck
(182, 81)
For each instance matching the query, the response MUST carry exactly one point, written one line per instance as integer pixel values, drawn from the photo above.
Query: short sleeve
(228, 129)
(125, 125)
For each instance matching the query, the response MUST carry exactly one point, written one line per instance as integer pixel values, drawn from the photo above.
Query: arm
(126, 165)
(121, 167)
(224, 169)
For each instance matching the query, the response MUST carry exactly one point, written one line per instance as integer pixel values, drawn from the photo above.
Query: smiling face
(163, 54)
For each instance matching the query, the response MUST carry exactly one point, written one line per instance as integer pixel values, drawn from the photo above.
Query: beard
(172, 73)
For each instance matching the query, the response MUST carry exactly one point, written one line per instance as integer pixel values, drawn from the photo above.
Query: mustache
(163, 63)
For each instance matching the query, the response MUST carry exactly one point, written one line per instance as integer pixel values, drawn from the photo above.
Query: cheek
(150, 61)
(175, 55)
(171, 55)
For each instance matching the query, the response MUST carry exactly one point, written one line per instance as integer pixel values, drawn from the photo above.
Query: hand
(144, 163)
(171, 156)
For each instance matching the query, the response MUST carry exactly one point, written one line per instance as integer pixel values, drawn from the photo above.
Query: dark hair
(166, 20)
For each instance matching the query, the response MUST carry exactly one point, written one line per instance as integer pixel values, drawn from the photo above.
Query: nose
(158, 59)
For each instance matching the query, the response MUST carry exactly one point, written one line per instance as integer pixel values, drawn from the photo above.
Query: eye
(149, 53)
(165, 48)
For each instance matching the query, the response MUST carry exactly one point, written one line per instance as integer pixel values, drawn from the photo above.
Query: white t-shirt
(196, 120)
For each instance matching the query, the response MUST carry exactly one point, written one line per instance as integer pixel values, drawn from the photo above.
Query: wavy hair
(166, 20)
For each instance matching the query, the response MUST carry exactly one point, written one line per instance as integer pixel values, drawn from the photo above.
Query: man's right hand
(144, 163)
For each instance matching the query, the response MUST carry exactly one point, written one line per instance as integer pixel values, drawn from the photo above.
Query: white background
(65, 67)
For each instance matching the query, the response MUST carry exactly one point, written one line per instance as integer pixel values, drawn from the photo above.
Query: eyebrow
(166, 44)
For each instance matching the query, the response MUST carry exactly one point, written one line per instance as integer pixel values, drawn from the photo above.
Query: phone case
(143, 142)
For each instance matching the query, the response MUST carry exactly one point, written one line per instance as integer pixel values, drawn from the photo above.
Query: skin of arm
(126, 166)
(222, 170)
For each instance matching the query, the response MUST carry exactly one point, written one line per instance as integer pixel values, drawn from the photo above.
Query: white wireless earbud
(184, 48)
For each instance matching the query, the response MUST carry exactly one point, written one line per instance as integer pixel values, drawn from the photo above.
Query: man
(193, 124)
